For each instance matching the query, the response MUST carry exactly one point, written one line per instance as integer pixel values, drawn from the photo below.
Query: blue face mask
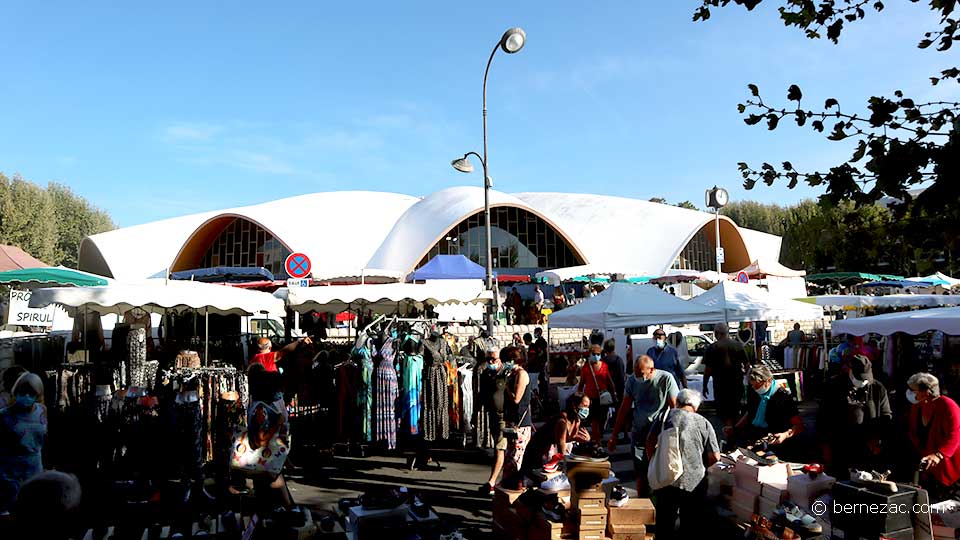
(26, 401)
(493, 366)
(594, 358)
(509, 365)
(583, 412)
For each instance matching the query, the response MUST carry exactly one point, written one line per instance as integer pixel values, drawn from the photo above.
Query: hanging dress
(436, 403)
(412, 385)
(386, 391)
(365, 393)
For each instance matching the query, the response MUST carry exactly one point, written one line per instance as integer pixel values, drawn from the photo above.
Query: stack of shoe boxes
(511, 519)
(588, 498)
(752, 480)
(630, 521)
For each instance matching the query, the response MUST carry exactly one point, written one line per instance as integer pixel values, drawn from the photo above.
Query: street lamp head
(513, 40)
(462, 164)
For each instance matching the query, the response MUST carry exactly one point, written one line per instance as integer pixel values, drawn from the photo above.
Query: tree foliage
(847, 237)
(47, 223)
(900, 143)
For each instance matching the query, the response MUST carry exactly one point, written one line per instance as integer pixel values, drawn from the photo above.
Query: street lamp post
(717, 198)
(511, 42)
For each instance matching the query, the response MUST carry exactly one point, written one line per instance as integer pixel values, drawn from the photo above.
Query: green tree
(905, 143)
(47, 223)
(768, 218)
(76, 218)
(688, 205)
(658, 200)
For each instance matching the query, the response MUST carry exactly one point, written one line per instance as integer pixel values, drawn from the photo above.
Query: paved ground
(451, 491)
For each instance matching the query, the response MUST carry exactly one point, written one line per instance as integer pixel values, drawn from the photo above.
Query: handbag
(666, 465)
(606, 398)
(266, 460)
(510, 432)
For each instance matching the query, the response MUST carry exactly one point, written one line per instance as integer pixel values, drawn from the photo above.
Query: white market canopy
(745, 302)
(158, 295)
(384, 297)
(938, 278)
(946, 320)
(624, 305)
(559, 275)
(890, 300)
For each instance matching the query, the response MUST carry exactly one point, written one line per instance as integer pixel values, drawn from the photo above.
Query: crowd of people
(860, 424)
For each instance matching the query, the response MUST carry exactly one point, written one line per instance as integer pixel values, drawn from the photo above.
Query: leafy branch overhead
(899, 143)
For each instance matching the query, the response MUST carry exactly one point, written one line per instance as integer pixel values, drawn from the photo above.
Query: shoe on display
(619, 497)
(557, 483)
(760, 456)
(553, 465)
(555, 512)
(798, 520)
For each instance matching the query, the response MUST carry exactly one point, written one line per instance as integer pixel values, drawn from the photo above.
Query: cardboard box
(592, 506)
(635, 512)
(742, 513)
(506, 497)
(592, 522)
(804, 490)
(747, 474)
(775, 492)
(511, 522)
(744, 498)
(626, 532)
(766, 507)
(591, 535)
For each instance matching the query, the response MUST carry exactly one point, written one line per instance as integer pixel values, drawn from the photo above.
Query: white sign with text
(22, 314)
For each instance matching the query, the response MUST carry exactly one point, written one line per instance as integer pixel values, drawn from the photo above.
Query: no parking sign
(742, 277)
(297, 265)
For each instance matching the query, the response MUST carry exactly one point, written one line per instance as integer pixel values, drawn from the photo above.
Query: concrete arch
(196, 246)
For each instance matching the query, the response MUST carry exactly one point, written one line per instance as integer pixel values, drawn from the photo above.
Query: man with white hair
(699, 450)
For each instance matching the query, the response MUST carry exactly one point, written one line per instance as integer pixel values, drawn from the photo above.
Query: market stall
(946, 320)
(384, 298)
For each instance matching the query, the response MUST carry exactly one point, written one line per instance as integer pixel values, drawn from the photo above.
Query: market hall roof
(347, 233)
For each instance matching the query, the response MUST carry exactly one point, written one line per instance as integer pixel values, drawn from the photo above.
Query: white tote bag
(666, 466)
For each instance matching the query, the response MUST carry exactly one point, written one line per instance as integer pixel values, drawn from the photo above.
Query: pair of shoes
(590, 452)
(760, 456)
(792, 516)
(485, 489)
(553, 465)
(559, 482)
(618, 496)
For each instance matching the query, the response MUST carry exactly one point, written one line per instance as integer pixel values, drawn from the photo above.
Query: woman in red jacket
(935, 433)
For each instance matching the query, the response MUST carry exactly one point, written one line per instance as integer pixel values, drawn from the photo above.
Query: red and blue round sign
(742, 277)
(297, 265)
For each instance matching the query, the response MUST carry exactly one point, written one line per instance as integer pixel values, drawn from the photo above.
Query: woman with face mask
(595, 380)
(555, 439)
(853, 420)
(772, 412)
(935, 434)
(23, 430)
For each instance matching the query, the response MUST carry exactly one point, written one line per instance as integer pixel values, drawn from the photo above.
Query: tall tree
(47, 223)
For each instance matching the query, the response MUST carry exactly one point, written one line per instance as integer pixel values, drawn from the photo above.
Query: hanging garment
(365, 393)
(466, 402)
(137, 357)
(436, 403)
(385, 400)
(453, 391)
(189, 429)
(412, 387)
(347, 385)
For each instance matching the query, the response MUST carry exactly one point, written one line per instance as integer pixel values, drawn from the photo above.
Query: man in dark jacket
(726, 362)
(854, 416)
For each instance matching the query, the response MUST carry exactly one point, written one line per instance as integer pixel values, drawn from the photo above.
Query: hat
(860, 368)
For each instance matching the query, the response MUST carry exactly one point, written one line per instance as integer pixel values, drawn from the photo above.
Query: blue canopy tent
(449, 267)
(222, 274)
(897, 284)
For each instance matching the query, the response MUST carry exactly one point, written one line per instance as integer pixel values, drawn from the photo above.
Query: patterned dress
(365, 394)
(386, 391)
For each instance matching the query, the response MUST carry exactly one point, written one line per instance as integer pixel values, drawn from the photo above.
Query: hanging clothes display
(411, 384)
(466, 391)
(386, 392)
(364, 358)
(436, 397)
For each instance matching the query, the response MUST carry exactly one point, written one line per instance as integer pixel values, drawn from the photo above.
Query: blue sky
(180, 107)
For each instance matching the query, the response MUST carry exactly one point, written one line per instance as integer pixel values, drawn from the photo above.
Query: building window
(244, 243)
(697, 254)
(519, 241)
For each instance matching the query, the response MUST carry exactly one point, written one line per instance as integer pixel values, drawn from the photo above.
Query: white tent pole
(206, 336)
(826, 346)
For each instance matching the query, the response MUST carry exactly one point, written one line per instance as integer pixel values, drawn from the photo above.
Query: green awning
(844, 277)
(52, 275)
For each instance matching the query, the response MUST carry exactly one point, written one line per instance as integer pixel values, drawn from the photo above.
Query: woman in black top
(517, 417)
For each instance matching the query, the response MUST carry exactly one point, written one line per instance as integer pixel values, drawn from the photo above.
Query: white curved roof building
(348, 234)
